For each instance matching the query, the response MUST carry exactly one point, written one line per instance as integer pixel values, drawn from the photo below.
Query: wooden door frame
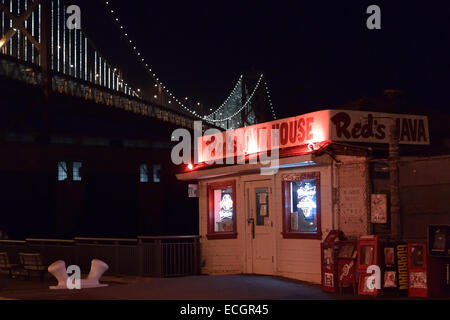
(248, 241)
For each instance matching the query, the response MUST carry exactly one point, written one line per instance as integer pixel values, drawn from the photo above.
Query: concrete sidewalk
(225, 287)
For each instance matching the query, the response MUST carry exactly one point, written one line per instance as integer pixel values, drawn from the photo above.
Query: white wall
(300, 258)
(220, 256)
(294, 258)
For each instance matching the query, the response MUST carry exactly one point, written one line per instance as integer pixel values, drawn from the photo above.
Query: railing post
(196, 261)
(116, 257)
(77, 254)
(141, 262)
(158, 258)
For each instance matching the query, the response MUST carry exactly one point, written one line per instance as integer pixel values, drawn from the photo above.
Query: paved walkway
(226, 287)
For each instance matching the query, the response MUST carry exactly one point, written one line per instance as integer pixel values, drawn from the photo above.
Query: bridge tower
(26, 30)
(258, 110)
(38, 39)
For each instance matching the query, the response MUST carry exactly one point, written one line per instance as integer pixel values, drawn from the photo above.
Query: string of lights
(244, 106)
(239, 82)
(182, 105)
(145, 64)
(270, 100)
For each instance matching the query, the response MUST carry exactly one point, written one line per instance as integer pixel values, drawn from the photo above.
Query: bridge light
(155, 96)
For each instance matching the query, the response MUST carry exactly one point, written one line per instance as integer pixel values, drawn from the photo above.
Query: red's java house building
(274, 223)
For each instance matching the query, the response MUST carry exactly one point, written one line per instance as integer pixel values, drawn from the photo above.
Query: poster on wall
(439, 240)
(378, 206)
(193, 191)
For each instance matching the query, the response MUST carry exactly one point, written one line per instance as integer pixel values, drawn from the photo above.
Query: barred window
(143, 173)
(62, 171)
(77, 171)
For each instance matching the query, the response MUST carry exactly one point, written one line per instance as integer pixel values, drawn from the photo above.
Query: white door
(260, 227)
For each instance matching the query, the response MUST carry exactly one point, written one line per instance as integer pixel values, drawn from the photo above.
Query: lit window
(143, 173)
(156, 173)
(222, 210)
(77, 171)
(302, 206)
(62, 171)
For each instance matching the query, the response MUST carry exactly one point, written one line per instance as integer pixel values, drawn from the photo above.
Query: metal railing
(170, 256)
(166, 256)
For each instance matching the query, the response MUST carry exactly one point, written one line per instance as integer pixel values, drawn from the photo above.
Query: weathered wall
(220, 256)
(294, 258)
(424, 195)
(300, 258)
(353, 195)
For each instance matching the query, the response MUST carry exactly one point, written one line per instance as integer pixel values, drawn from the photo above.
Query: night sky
(315, 54)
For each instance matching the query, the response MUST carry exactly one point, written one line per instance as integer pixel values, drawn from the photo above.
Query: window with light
(77, 171)
(222, 210)
(62, 171)
(143, 173)
(302, 206)
(156, 173)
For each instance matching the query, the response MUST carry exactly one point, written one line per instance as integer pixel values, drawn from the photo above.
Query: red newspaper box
(428, 276)
(417, 268)
(329, 248)
(368, 255)
(347, 265)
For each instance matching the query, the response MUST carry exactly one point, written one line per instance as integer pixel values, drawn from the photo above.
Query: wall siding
(294, 258)
(300, 258)
(220, 256)
(424, 195)
(353, 195)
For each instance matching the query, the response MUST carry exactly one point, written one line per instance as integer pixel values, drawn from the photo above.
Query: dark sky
(314, 53)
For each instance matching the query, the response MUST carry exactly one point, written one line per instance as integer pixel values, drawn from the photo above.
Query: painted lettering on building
(320, 126)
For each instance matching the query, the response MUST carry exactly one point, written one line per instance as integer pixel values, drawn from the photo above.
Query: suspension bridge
(39, 49)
